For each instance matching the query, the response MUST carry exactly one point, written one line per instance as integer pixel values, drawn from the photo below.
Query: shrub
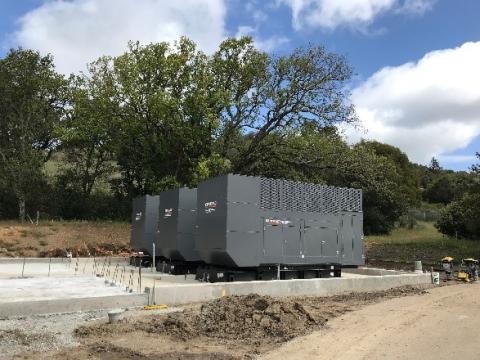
(461, 218)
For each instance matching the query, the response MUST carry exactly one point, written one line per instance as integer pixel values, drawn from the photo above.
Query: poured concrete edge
(59, 260)
(373, 271)
(190, 293)
(26, 308)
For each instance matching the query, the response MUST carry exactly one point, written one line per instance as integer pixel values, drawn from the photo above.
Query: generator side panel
(210, 235)
(244, 223)
(138, 223)
(187, 218)
(144, 223)
(151, 222)
(358, 251)
(304, 223)
(167, 224)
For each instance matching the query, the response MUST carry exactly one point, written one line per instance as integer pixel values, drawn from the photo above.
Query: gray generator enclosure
(144, 223)
(176, 224)
(248, 221)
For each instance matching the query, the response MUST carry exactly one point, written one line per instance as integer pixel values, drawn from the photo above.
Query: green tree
(32, 99)
(322, 156)
(86, 138)
(460, 217)
(440, 191)
(409, 175)
(383, 199)
(434, 165)
(266, 95)
(164, 111)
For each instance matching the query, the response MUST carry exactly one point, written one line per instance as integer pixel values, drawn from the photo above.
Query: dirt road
(443, 324)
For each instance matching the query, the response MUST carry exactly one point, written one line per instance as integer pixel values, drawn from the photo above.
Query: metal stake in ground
(140, 279)
(23, 266)
(49, 263)
(153, 258)
(76, 266)
(94, 266)
(130, 282)
(122, 276)
(84, 266)
(115, 273)
(103, 266)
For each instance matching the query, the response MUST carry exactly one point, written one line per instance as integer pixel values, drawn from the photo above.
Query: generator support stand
(153, 258)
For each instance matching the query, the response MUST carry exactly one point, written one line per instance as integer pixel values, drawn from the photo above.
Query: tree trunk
(21, 208)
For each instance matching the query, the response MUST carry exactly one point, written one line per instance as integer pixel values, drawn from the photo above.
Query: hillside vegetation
(424, 242)
(56, 237)
(167, 115)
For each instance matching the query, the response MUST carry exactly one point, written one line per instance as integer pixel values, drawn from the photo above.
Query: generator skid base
(208, 273)
(143, 261)
(178, 267)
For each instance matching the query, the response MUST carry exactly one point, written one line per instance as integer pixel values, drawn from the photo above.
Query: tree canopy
(32, 102)
(164, 115)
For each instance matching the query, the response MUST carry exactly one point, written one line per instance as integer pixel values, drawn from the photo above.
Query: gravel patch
(41, 333)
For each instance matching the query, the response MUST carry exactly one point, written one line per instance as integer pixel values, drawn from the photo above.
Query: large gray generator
(246, 222)
(144, 223)
(176, 224)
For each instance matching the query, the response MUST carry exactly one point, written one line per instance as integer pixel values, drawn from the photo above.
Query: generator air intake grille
(296, 196)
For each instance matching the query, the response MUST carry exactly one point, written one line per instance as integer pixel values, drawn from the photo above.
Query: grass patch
(423, 234)
(421, 243)
(43, 243)
(36, 234)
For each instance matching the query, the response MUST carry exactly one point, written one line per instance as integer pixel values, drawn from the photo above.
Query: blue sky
(416, 62)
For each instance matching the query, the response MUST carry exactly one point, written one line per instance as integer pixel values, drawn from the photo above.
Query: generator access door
(357, 244)
(293, 248)
(326, 231)
(272, 240)
(346, 239)
(312, 239)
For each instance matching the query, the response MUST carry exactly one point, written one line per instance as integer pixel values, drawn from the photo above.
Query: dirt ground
(55, 237)
(233, 327)
(440, 325)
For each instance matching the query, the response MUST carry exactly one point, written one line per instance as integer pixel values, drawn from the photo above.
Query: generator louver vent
(296, 196)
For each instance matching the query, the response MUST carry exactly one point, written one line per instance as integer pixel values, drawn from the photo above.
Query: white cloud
(416, 6)
(330, 14)
(79, 31)
(266, 44)
(427, 108)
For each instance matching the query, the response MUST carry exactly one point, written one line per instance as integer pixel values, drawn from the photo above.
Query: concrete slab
(49, 288)
(58, 306)
(72, 285)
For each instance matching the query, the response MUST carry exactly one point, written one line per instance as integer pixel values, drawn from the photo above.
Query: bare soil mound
(251, 319)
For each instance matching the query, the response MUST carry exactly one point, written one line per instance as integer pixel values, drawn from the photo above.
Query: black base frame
(210, 273)
(178, 267)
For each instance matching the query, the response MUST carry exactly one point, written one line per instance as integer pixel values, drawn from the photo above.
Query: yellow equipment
(468, 271)
(463, 276)
(155, 307)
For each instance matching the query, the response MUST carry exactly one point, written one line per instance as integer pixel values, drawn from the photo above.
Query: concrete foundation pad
(189, 293)
(54, 288)
(73, 287)
(60, 294)
(57, 306)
